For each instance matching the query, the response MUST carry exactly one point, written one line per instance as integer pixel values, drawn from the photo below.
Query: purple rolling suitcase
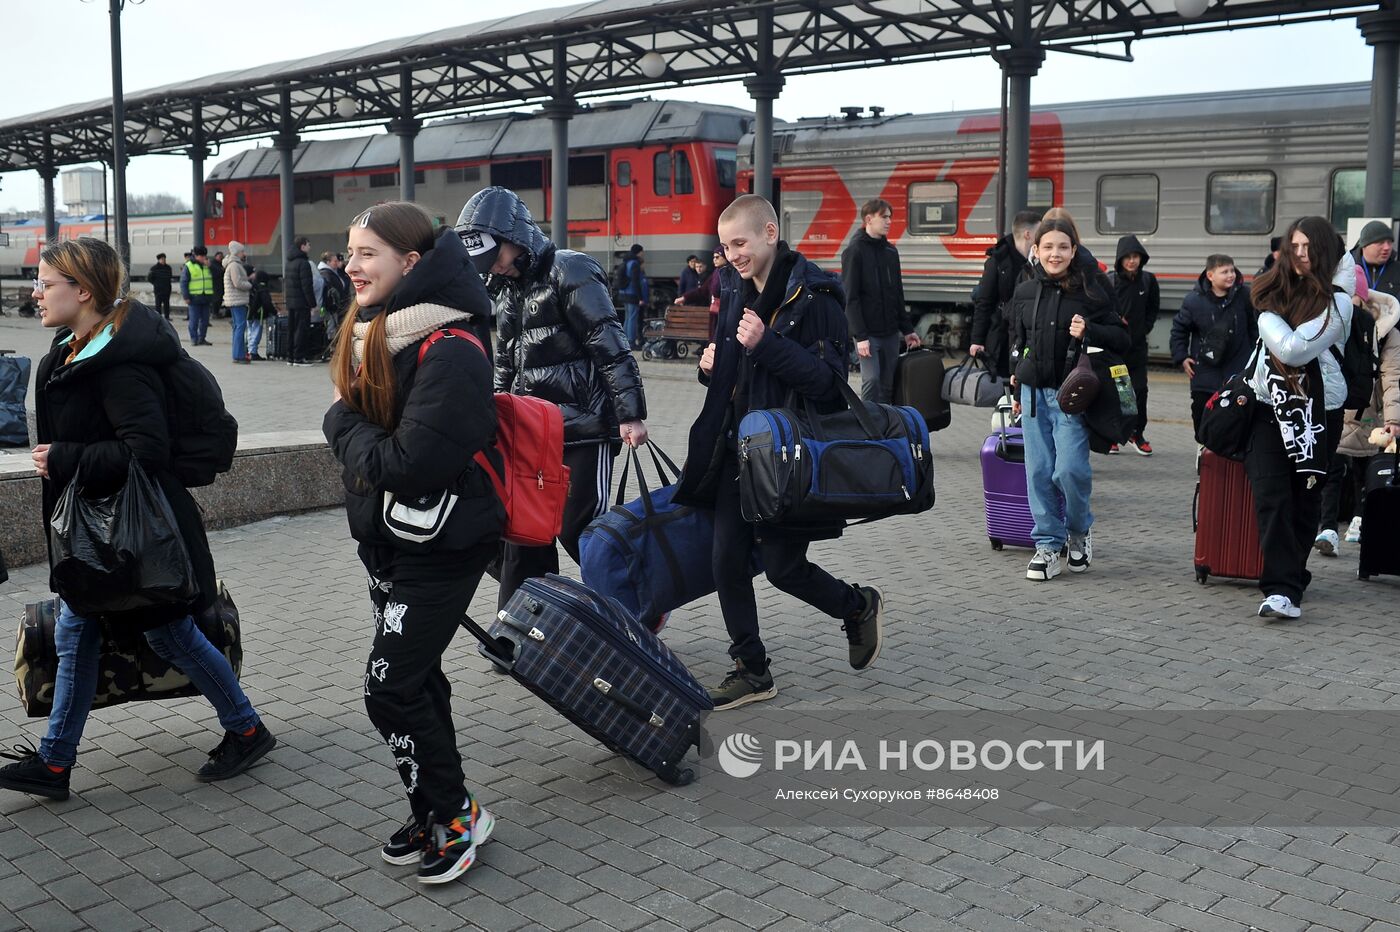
(1008, 508)
(602, 670)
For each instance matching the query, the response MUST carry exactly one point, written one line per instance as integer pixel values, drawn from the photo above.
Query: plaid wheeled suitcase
(602, 670)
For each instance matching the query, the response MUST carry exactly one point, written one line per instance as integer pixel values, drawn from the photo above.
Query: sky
(65, 60)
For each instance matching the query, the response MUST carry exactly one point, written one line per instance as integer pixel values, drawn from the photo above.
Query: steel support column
(286, 145)
(406, 128)
(119, 138)
(48, 173)
(198, 153)
(764, 87)
(560, 110)
(1381, 30)
(1019, 65)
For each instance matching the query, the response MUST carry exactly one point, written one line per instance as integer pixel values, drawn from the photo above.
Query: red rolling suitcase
(1227, 531)
(1380, 513)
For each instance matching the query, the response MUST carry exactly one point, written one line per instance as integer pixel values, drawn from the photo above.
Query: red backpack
(530, 439)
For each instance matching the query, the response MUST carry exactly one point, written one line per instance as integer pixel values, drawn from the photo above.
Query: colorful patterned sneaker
(1354, 531)
(1141, 445)
(450, 849)
(740, 687)
(406, 845)
(863, 629)
(30, 774)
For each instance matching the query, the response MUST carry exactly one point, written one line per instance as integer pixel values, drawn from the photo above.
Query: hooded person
(1006, 266)
(237, 288)
(559, 340)
(1139, 301)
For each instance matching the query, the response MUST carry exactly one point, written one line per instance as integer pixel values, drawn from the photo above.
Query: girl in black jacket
(1063, 306)
(426, 517)
(100, 400)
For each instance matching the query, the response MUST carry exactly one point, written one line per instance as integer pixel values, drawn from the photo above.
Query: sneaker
(1113, 449)
(450, 849)
(256, 358)
(1081, 551)
(1327, 543)
(30, 774)
(1141, 445)
(1279, 606)
(863, 629)
(740, 687)
(406, 845)
(236, 753)
(1354, 531)
(1044, 565)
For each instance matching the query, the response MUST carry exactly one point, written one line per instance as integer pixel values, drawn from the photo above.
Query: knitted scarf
(407, 326)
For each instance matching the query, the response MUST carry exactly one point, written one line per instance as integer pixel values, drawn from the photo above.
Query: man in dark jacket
(1375, 256)
(559, 339)
(875, 307)
(300, 294)
(216, 269)
(634, 294)
(1214, 332)
(1139, 301)
(781, 330)
(162, 277)
(1006, 266)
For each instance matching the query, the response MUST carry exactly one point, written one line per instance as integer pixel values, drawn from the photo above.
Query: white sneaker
(1354, 531)
(1081, 551)
(1045, 565)
(1327, 543)
(1279, 606)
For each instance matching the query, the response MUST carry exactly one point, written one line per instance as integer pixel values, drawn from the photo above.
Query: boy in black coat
(1139, 301)
(781, 330)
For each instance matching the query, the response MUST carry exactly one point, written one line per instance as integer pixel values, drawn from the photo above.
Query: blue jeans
(78, 642)
(1057, 464)
(199, 319)
(255, 325)
(632, 322)
(239, 313)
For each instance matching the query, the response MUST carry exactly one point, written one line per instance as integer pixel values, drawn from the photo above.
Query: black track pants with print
(417, 610)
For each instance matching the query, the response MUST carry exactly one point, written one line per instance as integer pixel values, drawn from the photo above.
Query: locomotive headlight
(1192, 8)
(346, 107)
(652, 64)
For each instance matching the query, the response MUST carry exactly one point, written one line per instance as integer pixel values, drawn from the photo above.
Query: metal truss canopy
(593, 49)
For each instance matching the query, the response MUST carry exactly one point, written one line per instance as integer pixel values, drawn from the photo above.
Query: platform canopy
(608, 47)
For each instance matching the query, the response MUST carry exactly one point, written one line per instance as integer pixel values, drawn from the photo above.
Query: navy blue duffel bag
(650, 554)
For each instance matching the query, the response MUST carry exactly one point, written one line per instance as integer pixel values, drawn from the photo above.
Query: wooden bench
(686, 324)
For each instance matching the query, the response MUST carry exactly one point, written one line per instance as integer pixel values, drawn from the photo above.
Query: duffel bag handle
(660, 461)
(856, 405)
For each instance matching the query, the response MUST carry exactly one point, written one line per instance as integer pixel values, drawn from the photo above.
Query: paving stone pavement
(583, 842)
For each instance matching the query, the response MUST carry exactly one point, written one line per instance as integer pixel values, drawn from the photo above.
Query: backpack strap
(480, 457)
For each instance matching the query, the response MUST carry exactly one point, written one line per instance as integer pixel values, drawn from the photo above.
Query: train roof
(504, 135)
(1241, 109)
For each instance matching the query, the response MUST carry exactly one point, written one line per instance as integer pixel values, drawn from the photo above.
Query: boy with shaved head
(780, 338)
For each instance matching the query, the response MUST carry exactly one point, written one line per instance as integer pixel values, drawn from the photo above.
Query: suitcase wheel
(996, 544)
(1202, 574)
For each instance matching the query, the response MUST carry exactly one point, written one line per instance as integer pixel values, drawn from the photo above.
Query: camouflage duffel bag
(128, 669)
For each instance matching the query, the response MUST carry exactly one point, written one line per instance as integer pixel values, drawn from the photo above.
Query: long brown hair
(370, 389)
(98, 270)
(1297, 296)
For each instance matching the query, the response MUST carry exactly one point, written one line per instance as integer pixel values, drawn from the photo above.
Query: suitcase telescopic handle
(628, 703)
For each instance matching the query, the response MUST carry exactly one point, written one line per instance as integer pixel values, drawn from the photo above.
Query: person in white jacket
(1301, 389)
(237, 287)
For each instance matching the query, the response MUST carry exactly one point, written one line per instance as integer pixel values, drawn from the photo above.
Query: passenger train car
(1191, 175)
(645, 171)
(148, 236)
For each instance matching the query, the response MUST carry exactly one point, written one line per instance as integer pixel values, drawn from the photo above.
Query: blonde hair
(752, 210)
(98, 270)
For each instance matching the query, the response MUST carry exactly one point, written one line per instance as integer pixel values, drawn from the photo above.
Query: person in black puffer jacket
(412, 409)
(300, 295)
(1214, 332)
(560, 340)
(1065, 302)
(1006, 267)
(1139, 301)
(100, 402)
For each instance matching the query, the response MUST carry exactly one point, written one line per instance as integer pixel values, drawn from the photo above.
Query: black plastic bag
(121, 551)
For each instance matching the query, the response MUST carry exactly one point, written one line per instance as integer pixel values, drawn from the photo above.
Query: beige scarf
(407, 326)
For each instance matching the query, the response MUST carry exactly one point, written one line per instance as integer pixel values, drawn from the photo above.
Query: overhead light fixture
(346, 108)
(18, 159)
(652, 64)
(1192, 8)
(154, 136)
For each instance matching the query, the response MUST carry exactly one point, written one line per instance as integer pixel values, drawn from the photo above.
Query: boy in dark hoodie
(1139, 301)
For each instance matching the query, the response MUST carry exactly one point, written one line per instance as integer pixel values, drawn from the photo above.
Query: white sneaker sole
(485, 825)
(401, 860)
(1042, 575)
(1325, 547)
(1269, 614)
(759, 696)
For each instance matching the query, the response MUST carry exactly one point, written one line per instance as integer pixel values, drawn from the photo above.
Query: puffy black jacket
(1380, 277)
(99, 411)
(560, 339)
(1040, 312)
(874, 288)
(1138, 297)
(161, 278)
(1004, 269)
(298, 290)
(445, 416)
(1200, 310)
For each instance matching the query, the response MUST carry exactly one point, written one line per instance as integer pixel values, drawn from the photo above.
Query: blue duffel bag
(650, 554)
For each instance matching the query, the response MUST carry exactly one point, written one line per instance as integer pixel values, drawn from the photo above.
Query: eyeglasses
(40, 284)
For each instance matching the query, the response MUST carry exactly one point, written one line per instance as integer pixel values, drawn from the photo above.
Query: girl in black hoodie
(413, 406)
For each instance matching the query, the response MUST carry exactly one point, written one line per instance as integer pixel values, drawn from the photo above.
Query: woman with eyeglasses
(100, 401)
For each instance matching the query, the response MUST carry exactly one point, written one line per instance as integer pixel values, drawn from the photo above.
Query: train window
(685, 183)
(1127, 204)
(1240, 202)
(214, 203)
(519, 176)
(1040, 194)
(464, 174)
(311, 190)
(661, 174)
(587, 170)
(624, 173)
(727, 167)
(1349, 194)
(933, 207)
(384, 180)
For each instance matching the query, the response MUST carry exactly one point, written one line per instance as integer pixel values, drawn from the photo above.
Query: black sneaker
(406, 845)
(29, 774)
(863, 629)
(236, 754)
(741, 686)
(450, 849)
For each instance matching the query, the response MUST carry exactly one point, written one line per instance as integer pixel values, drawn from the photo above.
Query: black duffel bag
(869, 461)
